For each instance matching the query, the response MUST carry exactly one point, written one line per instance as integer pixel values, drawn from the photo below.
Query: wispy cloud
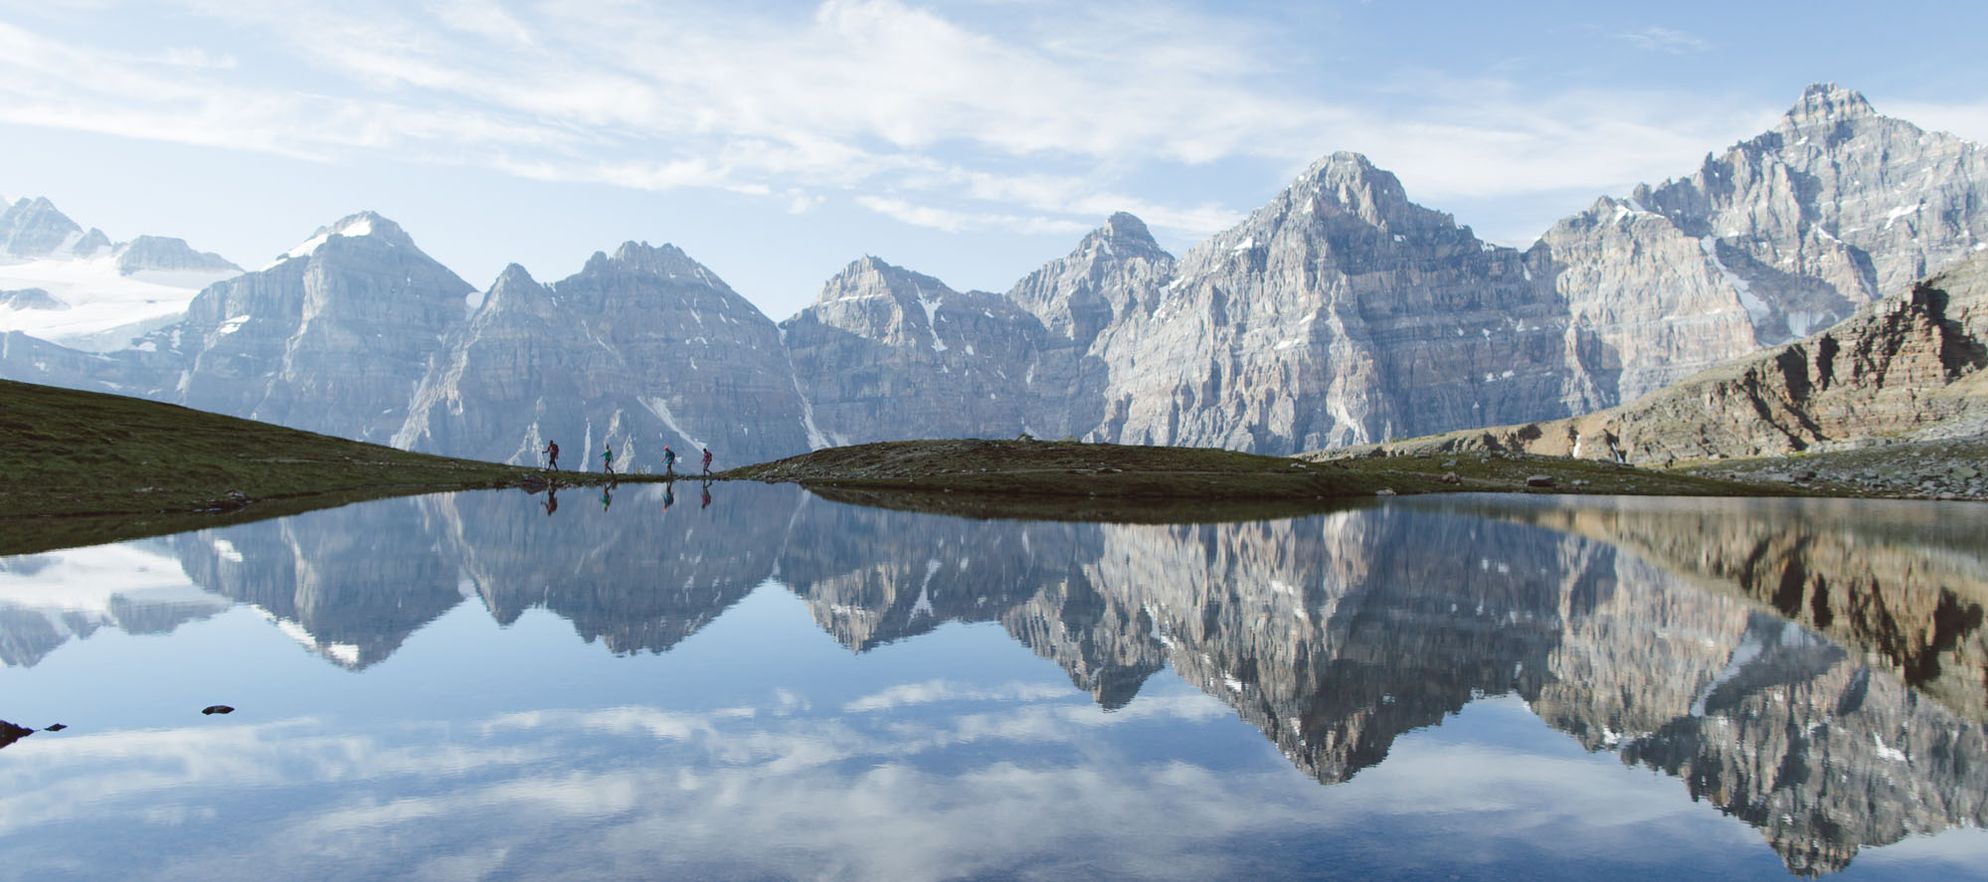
(1666, 40)
(952, 118)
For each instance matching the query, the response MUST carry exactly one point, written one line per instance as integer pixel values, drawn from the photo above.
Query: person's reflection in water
(607, 495)
(669, 495)
(707, 496)
(551, 503)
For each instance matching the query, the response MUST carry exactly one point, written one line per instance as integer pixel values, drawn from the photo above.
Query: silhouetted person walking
(669, 462)
(607, 458)
(552, 455)
(707, 462)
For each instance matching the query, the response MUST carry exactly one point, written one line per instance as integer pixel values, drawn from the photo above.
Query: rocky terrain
(638, 350)
(331, 338)
(1337, 314)
(889, 353)
(1893, 400)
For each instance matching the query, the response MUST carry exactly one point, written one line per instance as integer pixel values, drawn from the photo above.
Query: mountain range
(1338, 313)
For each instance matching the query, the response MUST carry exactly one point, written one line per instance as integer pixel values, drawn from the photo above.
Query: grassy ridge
(79, 467)
(1060, 479)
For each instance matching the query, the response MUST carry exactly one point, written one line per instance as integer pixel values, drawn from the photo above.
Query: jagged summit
(665, 260)
(1352, 184)
(514, 283)
(513, 274)
(34, 228)
(1122, 234)
(168, 253)
(1828, 102)
(352, 226)
(872, 276)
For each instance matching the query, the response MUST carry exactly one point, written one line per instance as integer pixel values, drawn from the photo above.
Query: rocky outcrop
(30, 298)
(885, 353)
(32, 229)
(1907, 366)
(167, 254)
(1777, 238)
(639, 350)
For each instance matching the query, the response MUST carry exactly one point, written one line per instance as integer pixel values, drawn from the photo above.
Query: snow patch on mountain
(106, 308)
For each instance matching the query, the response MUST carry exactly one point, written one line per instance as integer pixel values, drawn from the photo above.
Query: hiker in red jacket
(707, 462)
(552, 455)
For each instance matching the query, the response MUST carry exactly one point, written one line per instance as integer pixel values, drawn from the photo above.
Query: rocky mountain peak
(167, 253)
(1352, 183)
(365, 224)
(34, 228)
(872, 276)
(512, 284)
(1123, 235)
(1828, 103)
(663, 260)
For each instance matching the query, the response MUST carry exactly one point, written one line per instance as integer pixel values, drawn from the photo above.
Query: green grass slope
(79, 467)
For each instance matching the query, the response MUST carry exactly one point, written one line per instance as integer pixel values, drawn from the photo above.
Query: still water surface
(764, 684)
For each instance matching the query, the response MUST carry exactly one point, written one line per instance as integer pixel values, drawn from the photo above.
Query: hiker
(607, 458)
(669, 462)
(552, 455)
(707, 462)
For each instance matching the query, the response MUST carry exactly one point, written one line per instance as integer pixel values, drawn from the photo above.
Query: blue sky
(971, 140)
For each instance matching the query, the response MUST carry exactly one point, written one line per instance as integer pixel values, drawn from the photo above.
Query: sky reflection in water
(779, 686)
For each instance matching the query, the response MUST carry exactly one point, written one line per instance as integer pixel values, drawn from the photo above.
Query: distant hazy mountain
(75, 287)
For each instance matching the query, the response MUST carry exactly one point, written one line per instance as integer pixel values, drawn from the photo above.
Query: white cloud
(958, 118)
(960, 221)
(1666, 40)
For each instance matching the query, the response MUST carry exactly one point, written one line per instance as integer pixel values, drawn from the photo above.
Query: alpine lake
(744, 681)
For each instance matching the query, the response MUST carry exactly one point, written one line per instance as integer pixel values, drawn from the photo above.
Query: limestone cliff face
(1339, 313)
(639, 350)
(1114, 271)
(1793, 229)
(331, 338)
(1342, 313)
(887, 353)
(1907, 366)
(1644, 304)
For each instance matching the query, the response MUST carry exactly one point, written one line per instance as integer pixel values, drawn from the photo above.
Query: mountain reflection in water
(1763, 654)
